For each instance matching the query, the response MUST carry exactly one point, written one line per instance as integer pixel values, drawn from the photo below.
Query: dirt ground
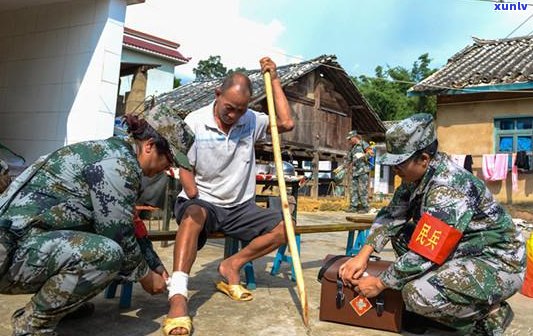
(275, 309)
(523, 211)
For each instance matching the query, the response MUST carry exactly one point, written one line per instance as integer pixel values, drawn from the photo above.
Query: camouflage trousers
(63, 269)
(359, 191)
(461, 291)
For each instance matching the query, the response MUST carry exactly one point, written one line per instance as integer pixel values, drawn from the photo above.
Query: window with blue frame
(514, 135)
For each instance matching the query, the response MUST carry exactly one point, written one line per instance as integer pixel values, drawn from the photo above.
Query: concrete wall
(59, 69)
(468, 128)
(160, 79)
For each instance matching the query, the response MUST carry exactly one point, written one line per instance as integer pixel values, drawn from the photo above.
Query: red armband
(433, 239)
(139, 227)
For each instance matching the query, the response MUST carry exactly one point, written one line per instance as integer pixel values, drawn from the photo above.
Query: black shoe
(418, 324)
(414, 323)
(86, 309)
(353, 210)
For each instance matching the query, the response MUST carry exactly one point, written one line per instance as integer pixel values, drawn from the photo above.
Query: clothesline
(494, 167)
(481, 155)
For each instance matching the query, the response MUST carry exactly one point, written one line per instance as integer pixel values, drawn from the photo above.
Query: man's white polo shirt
(225, 164)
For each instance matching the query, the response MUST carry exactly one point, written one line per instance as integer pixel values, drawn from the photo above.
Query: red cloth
(139, 227)
(434, 239)
(263, 177)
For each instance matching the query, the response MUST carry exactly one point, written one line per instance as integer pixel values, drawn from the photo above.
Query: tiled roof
(194, 95)
(153, 45)
(486, 62)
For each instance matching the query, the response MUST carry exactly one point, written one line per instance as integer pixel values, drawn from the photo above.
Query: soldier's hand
(353, 269)
(369, 286)
(153, 283)
(268, 65)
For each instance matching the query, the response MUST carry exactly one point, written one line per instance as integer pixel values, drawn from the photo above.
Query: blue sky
(362, 34)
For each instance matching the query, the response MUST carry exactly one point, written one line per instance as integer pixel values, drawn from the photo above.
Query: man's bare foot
(229, 272)
(178, 307)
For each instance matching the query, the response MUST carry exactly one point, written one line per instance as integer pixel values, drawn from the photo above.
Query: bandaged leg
(177, 284)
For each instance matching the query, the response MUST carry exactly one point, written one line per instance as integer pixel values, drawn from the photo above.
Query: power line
(520, 25)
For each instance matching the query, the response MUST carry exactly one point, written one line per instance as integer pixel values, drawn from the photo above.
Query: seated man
(462, 279)
(223, 158)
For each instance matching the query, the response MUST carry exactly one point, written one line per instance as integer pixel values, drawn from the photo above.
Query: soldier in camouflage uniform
(70, 216)
(5, 179)
(468, 291)
(358, 156)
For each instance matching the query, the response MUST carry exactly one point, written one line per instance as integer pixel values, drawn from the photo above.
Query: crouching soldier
(460, 256)
(67, 221)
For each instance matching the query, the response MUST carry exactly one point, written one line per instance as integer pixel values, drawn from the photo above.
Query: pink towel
(494, 167)
(514, 173)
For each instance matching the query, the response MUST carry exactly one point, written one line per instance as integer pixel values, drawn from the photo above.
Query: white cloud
(204, 28)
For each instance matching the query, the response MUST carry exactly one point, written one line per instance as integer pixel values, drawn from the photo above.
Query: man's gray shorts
(245, 221)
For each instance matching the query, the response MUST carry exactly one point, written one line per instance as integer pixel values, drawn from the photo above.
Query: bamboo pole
(284, 200)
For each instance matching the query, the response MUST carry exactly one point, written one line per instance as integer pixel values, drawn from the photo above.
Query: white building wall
(59, 69)
(160, 79)
(159, 82)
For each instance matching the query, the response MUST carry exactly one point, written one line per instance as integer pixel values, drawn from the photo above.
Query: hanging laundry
(459, 159)
(468, 163)
(494, 167)
(514, 173)
(522, 161)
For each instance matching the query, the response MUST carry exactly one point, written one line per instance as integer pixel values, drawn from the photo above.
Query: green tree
(210, 68)
(177, 82)
(387, 90)
(237, 69)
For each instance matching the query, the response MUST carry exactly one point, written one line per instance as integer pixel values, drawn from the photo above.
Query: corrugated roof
(486, 62)
(197, 94)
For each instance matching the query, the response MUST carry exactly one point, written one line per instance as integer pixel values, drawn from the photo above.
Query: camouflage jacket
(89, 186)
(461, 200)
(360, 165)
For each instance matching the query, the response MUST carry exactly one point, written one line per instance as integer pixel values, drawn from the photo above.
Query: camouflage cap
(408, 136)
(165, 121)
(351, 134)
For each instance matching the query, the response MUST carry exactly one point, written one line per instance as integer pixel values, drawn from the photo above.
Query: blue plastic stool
(352, 248)
(281, 257)
(231, 247)
(125, 293)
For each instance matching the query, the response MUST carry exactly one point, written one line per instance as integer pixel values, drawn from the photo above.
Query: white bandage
(177, 284)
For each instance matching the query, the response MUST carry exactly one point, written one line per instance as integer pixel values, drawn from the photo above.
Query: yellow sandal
(171, 323)
(235, 292)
